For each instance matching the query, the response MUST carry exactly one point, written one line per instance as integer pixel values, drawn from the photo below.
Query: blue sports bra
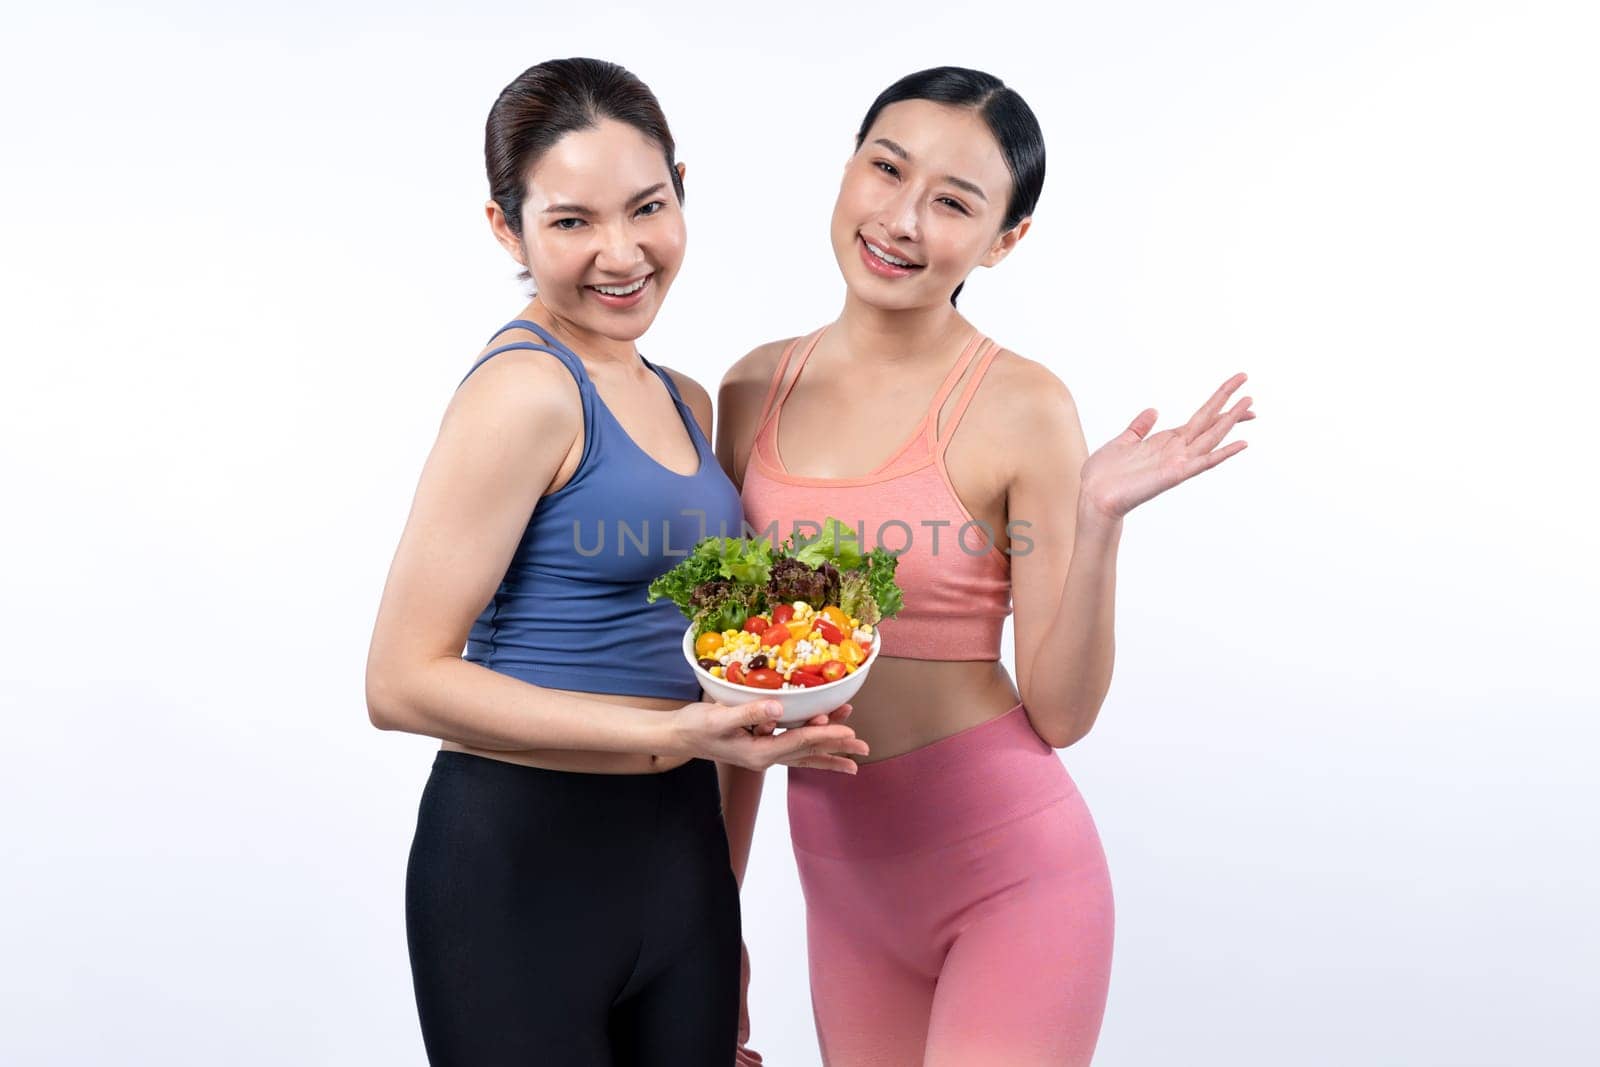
(570, 612)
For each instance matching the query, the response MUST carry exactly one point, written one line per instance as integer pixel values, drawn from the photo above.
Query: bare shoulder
(520, 384)
(739, 399)
(1027, 395)
(1025, 414)
(757, 365)
(694, 394)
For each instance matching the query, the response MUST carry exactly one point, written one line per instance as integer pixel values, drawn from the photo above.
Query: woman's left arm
(1063, 566)
(1064, 512)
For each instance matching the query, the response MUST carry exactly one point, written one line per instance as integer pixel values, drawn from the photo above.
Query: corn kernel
(716, 672)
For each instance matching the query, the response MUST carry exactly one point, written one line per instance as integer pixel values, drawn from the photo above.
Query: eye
(887, 168)
(561, 224)
(654, 207)
(958, 205)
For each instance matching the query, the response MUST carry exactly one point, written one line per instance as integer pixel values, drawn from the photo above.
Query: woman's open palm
(1132, 467)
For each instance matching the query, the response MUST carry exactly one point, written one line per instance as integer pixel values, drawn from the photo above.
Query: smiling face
(602, 231)
(921, 205)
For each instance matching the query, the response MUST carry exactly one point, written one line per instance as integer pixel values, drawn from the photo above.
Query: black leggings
(559, 918)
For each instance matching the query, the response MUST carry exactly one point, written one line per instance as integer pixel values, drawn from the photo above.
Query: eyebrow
(579, 209)
(959, 183)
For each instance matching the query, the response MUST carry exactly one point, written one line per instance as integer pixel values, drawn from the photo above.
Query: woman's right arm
(503, 439)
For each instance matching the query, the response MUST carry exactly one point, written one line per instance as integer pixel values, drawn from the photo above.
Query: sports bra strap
(948, 385)
(767, 406)
(666, 379)
(551, 346)
(985, 355)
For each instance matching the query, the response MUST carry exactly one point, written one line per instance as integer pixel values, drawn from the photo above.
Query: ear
(682, 170)
(1005, 243)
(502, 233)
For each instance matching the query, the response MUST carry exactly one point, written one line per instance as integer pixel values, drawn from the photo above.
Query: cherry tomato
(807, 679)
(707, 643)
(833, 670)
(756, 624)
(764, 678)
(830, 632)
(774, 635)
(783, 613)
(735, 673)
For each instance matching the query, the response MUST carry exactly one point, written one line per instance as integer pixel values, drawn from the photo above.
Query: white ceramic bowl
(798, 704)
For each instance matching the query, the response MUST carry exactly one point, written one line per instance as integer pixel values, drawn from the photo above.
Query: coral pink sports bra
(957, 583)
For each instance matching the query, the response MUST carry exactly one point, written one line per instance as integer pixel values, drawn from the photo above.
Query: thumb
(759, 711)
(1142, 423)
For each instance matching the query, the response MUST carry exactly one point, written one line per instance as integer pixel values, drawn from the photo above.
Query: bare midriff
(908, 703)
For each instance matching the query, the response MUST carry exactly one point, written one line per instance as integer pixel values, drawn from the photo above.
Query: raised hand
(1132, 467)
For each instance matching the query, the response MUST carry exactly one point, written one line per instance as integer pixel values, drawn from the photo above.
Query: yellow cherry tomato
(798, 629)
(851, 652)
(837, 616)
(786, 650)
(707, 643)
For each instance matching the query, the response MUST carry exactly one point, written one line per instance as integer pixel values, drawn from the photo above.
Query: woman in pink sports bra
(958, 905)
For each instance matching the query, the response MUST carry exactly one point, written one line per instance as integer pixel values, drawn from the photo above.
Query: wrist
(1092, 518)
(661, 733)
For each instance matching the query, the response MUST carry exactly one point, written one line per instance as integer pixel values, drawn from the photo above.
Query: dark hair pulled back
(1008, 116)
(550, 100)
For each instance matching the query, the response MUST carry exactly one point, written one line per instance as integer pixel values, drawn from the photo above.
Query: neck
(595, 348)
(883, 337)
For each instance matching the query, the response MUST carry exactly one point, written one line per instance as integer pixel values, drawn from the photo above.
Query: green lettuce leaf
(837, 543)
(747, 561)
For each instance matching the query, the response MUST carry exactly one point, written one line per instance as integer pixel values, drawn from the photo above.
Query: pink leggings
(958, 906)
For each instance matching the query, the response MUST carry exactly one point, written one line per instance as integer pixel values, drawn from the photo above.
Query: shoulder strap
(810, 341)
(554, 347)
(666, 379)
(931, 419)
(985, 356)
(574, 367)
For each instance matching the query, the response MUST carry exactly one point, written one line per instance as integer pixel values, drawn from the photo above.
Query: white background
(1345, 774)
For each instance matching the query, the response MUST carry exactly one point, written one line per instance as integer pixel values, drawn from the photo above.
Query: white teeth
(886, 257)
(621, 290)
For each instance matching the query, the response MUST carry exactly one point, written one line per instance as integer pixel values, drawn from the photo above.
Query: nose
(901, 213)
(619, 252)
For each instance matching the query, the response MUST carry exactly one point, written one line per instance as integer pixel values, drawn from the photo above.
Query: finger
(830, 731)
(1208, 411)
(834, 738)
(827, 763)
(1208, 440)
(1211, 459)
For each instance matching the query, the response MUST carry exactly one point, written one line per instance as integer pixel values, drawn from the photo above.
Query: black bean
(708, 663)
(757, 662)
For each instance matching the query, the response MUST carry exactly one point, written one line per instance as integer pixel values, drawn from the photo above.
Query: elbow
(383, 705)
(1065, 731)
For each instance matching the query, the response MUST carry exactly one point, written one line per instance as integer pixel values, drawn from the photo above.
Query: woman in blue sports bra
(569, 894)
